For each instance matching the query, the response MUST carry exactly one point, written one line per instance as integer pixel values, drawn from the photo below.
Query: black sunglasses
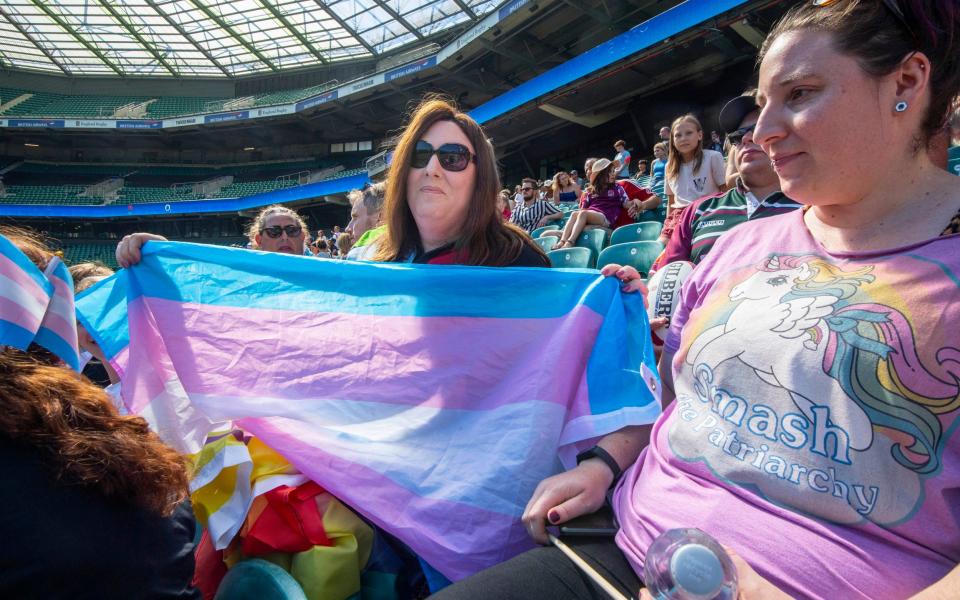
(452, 157)
(892, 5)
(276, 231)
(736, 138)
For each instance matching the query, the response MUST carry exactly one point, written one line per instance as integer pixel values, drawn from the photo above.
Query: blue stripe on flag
(14, 335)
(282, 283)
(102, 310)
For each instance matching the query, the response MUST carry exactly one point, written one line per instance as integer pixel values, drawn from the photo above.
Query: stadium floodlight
(29, 145)
(249, 148)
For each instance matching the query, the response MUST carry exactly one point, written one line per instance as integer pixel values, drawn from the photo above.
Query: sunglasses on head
(452, 157)
(276, 231)
(736, 138)
(892, 5)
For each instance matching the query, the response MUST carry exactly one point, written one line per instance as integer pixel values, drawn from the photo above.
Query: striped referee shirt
(528, 216)
(705, 220)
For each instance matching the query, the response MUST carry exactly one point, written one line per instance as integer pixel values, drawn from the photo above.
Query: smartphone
(602, 523)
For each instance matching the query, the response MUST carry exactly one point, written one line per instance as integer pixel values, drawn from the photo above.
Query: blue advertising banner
(139, 124)
(316, 100)
(230, 116)
(410, 69)
(35, 123)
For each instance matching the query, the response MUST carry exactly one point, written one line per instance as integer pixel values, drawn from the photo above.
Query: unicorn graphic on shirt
(808, 338)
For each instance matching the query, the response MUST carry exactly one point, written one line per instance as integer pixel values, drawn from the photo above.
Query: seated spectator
(605, 199)
(659, 166)
(835, 323)
(575, 176)
(93, 502)
(715, 143)
(564, 188)
(642, 167)
(366, 219)
(344, 243)
(276, 228)
(691, 171)
(323, 250)
(441, 200)
(756, 194)
(533, 212)
(503, 204)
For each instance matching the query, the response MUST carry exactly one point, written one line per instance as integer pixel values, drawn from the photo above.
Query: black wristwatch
(598, 452)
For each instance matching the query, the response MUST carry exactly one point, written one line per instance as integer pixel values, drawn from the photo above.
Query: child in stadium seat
(812, 370)
(605, 199)
(93, 502)
(691, 171)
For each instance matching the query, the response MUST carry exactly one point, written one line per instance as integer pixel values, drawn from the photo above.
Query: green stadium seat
(547, 243)
(539, 230)
(594, 240)
(639, 255)
(257, 579)
(570, 258)
(648, 231)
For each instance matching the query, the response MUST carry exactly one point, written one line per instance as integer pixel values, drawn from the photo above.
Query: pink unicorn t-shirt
(814, 429)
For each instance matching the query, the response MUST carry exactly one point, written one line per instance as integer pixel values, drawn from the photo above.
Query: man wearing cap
(756, 195)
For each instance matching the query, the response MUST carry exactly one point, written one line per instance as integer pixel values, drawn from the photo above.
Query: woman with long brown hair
(93, 502)
(441, 198)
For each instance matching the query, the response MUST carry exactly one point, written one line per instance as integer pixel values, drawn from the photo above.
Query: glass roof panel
(223, 38)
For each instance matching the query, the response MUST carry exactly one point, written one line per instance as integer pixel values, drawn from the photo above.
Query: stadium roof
(215, 38)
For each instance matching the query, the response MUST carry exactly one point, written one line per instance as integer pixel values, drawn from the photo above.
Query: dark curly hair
(76, 427)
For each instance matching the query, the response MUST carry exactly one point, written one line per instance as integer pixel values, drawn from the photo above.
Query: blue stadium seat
(257, 579)
(647, 231)
(594, 240)
(547, 243)
(570, 258)
(639, 255)
(539, 230)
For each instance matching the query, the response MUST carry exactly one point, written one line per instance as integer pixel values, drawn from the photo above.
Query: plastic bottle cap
(696, 569)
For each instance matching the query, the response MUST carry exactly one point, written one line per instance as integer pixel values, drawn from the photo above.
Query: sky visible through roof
(210, 38)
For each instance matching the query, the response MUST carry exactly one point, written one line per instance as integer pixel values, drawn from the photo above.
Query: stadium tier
(26, 103)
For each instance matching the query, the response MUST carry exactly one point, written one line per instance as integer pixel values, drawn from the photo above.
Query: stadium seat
(257, 579)
(594, 240)
(539, 230)
(639, 255)
(571, 258)
(648, 231)
(547, 243)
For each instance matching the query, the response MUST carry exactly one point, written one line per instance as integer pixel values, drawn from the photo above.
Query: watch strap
(598, 452)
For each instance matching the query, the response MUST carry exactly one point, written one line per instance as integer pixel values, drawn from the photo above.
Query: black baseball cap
(733, 112)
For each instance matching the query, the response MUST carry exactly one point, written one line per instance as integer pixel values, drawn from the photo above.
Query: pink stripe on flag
(399, 360)
(473, 538)
(15, 313)
(15, 272)
(65, 330)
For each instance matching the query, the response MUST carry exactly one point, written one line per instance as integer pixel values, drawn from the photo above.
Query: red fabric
(291, 522)
(448, 257)
(210, 569)
(506, 213)
(634, 192)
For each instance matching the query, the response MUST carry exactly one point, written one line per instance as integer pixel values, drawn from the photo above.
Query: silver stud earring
(901, 106)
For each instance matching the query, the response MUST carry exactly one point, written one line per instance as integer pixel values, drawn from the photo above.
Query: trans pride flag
(37, 306)
(431, 399)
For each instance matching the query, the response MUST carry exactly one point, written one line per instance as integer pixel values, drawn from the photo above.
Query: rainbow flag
(431, 399)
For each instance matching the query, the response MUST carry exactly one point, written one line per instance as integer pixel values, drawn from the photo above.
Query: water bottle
(688, 564)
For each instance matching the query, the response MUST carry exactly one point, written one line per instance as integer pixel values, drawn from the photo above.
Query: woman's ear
(912, 79)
